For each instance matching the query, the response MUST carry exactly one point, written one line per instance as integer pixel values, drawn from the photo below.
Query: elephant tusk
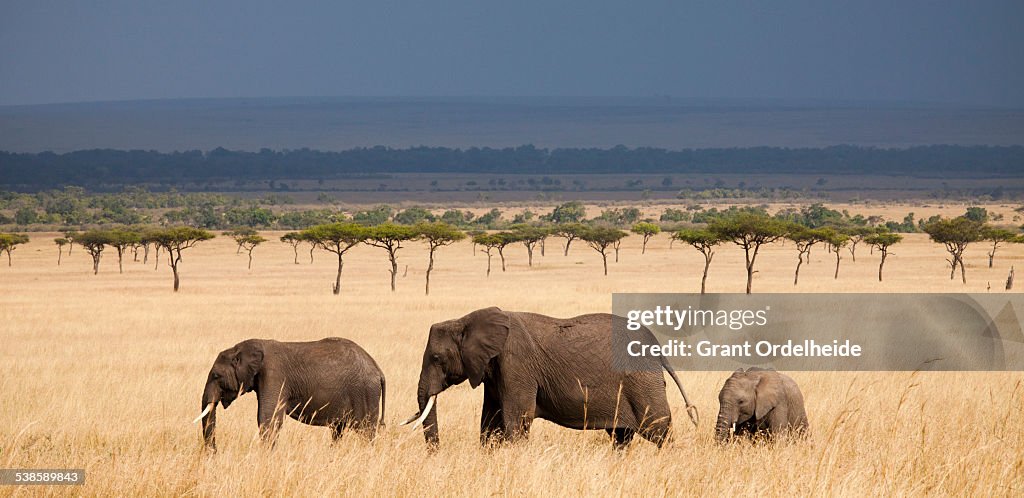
(410, 419)
(426, 411)
(209, 406)
(734, 428)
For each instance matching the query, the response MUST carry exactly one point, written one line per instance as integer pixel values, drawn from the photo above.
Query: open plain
(104, 372)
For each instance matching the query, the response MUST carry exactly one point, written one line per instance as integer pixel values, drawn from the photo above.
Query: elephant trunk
(723, 426)
(209, 415)
(428, 402)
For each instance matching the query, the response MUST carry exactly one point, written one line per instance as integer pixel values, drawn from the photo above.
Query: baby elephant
(759, 401)
(331, 382)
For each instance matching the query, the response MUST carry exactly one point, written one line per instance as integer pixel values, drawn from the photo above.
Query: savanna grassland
(105, 372)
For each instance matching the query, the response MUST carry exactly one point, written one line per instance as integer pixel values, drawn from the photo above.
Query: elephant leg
(368, 428)
(653, 418)
(658, 432)
(269, 415)
(656, 424)
(492, 426)
(363, 416)
(517, 414)
(778, 420)
(337, 431)
(366, 423)
(622, 436)
(746, 429)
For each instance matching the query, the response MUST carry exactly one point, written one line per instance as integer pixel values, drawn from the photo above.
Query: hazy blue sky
(964, 52)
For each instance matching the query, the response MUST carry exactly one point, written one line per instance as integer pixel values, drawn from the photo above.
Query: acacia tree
(337, 238)
(750, 231)
(835, 240)
(647, 230)
(857, 234)
(148, 237)
(804, 238)
(240, 236)
(504, 239)
(177, 239)
(389, 236)
(601, 238)
(544, 239)
(70, 235)
(293, 239)
(436, 235)
(530, 236)
(10, 242)
(490, 242)
(313, 244)
(249, 242)
(94, 242)
(955, 234)
(996, 236)
(616, 245)
(473, 234)
(570, 232)
(121, 239)
(137, 243)
(61, 242)
(703, 241)
(135, 250)
(882, 241)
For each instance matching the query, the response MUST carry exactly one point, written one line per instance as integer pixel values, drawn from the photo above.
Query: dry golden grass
(105, 372)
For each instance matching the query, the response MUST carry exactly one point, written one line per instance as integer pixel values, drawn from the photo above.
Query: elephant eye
(436, 358)
(214, 376)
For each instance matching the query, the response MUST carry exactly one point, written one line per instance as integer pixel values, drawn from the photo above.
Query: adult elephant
(534, 366)
(331, 382)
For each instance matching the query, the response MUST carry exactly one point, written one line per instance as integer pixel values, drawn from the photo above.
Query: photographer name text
(747, 349)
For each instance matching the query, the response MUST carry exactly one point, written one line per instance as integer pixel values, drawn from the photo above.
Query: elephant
(759, 402)
(331, 382)
(536, 366)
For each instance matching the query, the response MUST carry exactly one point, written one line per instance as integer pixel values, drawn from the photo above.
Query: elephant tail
(383, 398)
(691, 410)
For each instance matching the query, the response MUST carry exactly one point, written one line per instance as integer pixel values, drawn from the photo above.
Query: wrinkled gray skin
(331, 382)
(535, 366)
(762, 402)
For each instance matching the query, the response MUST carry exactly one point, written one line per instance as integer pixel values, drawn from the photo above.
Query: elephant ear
(483, 337)
(767, 395)
(248, 362)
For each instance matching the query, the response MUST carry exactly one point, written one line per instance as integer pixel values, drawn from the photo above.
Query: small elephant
(759, 401)
(331, 382)
(535, 366)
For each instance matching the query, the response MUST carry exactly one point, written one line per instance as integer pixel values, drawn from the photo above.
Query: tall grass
(105, 372)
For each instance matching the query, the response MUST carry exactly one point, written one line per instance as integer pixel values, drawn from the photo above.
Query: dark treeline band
(107, 166)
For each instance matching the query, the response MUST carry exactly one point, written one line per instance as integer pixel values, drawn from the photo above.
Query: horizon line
(595, 100)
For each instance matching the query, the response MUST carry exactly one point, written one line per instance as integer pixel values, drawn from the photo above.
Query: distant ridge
(117, 167)
(340, 123)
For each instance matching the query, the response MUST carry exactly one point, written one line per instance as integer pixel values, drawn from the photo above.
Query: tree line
(119, 167)
(749, 228)
(74, 207)
(172, 240)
